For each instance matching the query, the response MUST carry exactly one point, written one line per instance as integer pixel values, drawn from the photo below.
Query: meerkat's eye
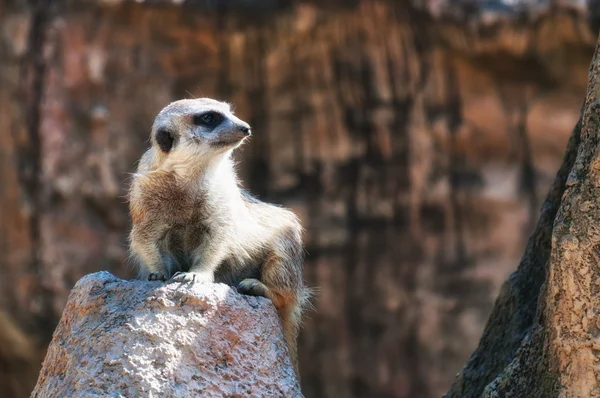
(207, 119)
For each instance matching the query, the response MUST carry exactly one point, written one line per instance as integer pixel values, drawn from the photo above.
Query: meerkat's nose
(245, 130)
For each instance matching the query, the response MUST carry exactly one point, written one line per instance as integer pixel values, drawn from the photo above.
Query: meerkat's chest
(189, 234)
(185, 242)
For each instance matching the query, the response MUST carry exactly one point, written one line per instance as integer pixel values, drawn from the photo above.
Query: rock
(542, 338)
(121, 338)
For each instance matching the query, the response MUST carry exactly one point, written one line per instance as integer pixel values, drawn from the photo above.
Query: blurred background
(415, 139)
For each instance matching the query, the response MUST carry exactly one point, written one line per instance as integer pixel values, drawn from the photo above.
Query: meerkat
(192, 222)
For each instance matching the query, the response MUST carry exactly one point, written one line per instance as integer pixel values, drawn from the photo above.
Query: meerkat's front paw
(253, 287)
(157, 276)
(191, 277)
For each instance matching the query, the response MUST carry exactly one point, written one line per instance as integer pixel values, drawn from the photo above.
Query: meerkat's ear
(165, 140)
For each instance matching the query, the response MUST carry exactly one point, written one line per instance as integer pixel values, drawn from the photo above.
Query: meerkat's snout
(246, 131)
(241, 130)
(232, 135)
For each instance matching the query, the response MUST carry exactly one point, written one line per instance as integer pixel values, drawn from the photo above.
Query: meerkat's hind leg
(254, 287)
(280, 298)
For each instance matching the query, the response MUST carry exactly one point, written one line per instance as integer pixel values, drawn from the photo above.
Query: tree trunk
(543, 336)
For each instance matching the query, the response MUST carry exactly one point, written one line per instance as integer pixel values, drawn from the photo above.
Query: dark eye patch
(165, 140)
(208, 119)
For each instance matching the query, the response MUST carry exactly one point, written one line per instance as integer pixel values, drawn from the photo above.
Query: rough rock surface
(129, 338)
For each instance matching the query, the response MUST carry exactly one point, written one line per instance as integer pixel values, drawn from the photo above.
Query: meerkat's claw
(253, 287)
(190, 277)
(183, 277)
(157, 276)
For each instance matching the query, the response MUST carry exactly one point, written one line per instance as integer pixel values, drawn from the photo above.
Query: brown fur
(192, 222)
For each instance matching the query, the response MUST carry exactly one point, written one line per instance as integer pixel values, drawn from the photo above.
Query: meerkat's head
(200, 128)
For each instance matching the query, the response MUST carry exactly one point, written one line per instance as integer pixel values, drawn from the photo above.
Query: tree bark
(542, 338)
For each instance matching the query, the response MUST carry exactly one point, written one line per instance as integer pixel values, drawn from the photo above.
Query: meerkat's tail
(291, 319)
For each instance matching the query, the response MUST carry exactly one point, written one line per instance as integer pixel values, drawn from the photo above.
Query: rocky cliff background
(415, 141)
